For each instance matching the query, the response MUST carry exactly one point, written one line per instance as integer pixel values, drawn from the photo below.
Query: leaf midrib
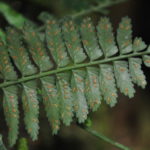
(76, 66)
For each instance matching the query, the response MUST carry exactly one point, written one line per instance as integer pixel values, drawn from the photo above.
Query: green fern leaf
(89, 40)
(146, 58)
(136, 72)
(10, 104)
(124, 36)
(138, 44)
(37, 49)
(65, 98)
(51, 102)
(78, 89)
(55, 43)
(6, 68)
(106, 37)
(19, 53)
(123, 79)
(72, 41)
(31, 108)
(107, 84)
(92, 89)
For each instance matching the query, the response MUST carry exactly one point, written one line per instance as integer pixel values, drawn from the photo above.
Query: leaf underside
(74, 67)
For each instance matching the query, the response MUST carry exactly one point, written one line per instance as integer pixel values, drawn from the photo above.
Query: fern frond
(65, 98)
(55, 43)
(138, 44)
(89, 40)
(10, 105)
(74, 66)
(123, 78)
(124, 36)
(106, 37)
(31, 108)
(6, 68)
(37, 48)
(136, 72)
(19, 53)
(92, 90)
(51, 102)
(78, 89)
(72, 41)
(107, 84)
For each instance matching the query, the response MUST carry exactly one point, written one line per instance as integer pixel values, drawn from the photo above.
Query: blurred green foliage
(23, 144)
(13, 18)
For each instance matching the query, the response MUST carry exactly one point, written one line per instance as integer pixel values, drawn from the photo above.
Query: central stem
(76, 66)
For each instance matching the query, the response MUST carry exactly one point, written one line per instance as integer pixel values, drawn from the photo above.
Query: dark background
(129, 121)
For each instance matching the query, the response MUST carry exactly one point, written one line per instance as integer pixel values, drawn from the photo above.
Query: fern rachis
(76, 66)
